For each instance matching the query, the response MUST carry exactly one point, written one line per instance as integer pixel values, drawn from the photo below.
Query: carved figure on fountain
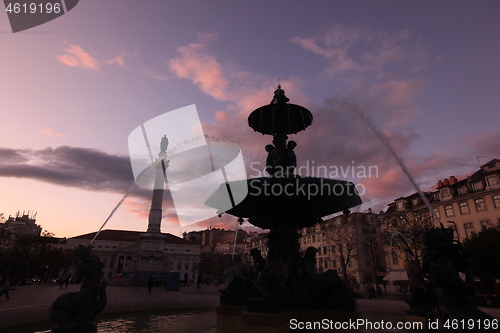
(279, 96)
(443, 262)
(75, 311)
(323, 290)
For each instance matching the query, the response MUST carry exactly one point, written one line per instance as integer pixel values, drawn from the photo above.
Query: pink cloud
(221, 116)
(154, 75)
(118, 60)
(50, 132)
(75, 56)
(485, 144)
(378, 49)
(196, 64)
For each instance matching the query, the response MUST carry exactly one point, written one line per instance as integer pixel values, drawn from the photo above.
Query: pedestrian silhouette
(151, 282)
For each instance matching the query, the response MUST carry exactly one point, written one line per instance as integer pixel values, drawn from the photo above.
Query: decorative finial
(279, 96)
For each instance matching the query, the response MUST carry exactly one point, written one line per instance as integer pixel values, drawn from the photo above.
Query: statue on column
(163, 144)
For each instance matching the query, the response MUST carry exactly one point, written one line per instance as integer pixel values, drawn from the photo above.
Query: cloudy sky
(72, 90)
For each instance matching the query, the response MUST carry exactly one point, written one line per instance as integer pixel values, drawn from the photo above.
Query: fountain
(285, 202)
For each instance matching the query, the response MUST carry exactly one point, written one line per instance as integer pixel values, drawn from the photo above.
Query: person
(5, 287)
(322, 286)
(151, 282)
(198, 282)
(259, 262)
(61, 281)
(66, 281)
(370, 292)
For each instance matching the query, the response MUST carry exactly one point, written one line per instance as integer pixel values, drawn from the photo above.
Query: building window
(478, 186)
(179, 266)
(436, 212)
(462, 190)
(469, 229)
(401, 205)
(333, 248)
(485, 224)
(496, 200)
(464, 208)
(395, 259)
(480, 205)
(492, 181)
(324, 250)
(445, 193)
(449, 210)
(187, 266)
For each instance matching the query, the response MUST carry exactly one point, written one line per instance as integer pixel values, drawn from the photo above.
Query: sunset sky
(427, 73)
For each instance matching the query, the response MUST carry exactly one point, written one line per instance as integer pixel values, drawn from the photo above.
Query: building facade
(468, 205)
(350, 244)
(125, 253)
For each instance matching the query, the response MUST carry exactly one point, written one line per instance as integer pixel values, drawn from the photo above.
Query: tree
(33, 255)
(342, 239)
(46, 233)
(484, 253)
(403, 231)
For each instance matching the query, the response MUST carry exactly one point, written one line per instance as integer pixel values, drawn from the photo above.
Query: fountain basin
(296, 200)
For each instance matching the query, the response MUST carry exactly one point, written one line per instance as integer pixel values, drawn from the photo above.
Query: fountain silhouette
(284, 202)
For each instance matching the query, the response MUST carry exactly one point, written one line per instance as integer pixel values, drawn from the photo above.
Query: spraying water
(345, 103)
(146, 171)
(113, 212)
(405, 242)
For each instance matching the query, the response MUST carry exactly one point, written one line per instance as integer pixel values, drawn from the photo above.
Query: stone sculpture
(75, 311)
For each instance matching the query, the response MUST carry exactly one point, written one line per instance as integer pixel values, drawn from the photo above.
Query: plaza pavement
(30, 304)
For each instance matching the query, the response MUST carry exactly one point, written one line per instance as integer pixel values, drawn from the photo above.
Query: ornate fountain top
(279, 96)
(280, 117)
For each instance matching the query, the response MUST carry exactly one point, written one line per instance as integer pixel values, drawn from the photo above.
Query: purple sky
(71, 91)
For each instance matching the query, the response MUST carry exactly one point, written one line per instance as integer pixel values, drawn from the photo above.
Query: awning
(396, 276)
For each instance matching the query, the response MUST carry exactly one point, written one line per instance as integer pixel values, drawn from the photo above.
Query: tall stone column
(154, 221)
